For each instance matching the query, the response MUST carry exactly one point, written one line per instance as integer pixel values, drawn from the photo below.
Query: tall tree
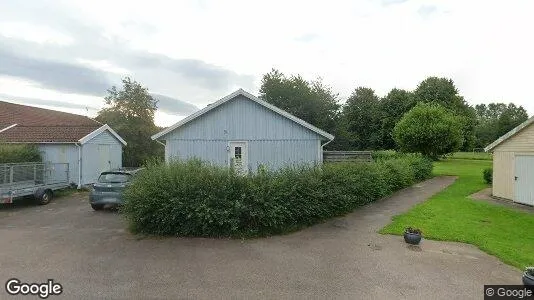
(495, 120)
(444, 92)
(361, 112)
(130, 111)
(312, 101)
(391, 109)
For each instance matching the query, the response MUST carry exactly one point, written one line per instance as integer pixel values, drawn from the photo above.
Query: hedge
(487, 174)
(13, 153)
(193, 198)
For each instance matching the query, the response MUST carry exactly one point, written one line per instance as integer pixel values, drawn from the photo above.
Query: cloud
(37, 101)
(307, 37)
(174, 106)
(65, 77)
(427, 10)
(198, 72)
(391, 2)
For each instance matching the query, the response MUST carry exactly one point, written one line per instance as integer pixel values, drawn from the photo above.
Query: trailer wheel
(43, 196)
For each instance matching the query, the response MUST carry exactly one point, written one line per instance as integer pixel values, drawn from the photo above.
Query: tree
(430, 129)
(361, 112)
(495, 120)
(391, 109)
(444, 92)
(311, 101)
(130, 112)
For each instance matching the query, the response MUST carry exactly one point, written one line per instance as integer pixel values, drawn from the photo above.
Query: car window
(114, 178)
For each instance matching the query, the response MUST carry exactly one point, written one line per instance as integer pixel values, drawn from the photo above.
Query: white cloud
(484, 46)
(32, 33)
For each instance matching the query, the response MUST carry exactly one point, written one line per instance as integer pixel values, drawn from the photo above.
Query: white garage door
(524, 179)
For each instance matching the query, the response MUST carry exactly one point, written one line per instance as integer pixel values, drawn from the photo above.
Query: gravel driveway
(93, 257)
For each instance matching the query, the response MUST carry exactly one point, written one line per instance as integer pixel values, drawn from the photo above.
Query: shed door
(104, 157)
(524, 179)
(239, 156)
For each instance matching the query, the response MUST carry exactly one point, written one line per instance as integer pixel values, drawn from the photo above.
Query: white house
(88, 146)
(244, 131)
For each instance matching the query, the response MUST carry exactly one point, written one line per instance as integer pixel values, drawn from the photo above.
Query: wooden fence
(343, 156)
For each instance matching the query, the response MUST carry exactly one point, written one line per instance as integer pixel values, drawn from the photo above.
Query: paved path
(486, 195)
(94, 258)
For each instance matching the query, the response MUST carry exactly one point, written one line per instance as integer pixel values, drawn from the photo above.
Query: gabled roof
(27, 124)
(509, 134)
(249, 96)
(104, 127)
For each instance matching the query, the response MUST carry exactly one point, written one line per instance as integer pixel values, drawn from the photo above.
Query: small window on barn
(237, 152)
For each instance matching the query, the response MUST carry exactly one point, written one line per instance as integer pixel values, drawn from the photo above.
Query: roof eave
(99, 130)
(509, 134)
(251, 97)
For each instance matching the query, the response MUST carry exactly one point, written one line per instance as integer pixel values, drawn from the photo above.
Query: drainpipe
(79, 165)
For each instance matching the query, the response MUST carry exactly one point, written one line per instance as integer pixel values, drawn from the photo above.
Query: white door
(104, 157)
(524, 179)
(239, 156)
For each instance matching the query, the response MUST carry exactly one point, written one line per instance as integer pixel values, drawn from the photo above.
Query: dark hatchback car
(108, 190)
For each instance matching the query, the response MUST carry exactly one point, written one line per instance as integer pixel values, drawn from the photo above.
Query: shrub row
(196, 199)
(19, 153)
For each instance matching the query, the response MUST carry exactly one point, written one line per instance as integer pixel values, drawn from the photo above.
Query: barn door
(524, 179)
(239, 156)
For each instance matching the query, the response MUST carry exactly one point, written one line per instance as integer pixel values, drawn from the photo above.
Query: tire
(97, 206)
(43, 197)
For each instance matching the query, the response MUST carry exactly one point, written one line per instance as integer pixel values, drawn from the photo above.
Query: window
(237, 152)
(114, 178)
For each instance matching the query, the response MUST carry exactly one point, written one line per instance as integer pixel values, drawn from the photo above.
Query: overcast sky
(65, 54)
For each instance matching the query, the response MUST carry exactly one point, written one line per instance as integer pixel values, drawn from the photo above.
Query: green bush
(193, 198)
(12, 153)
(421, 166)
(488, 175)
(430, 129)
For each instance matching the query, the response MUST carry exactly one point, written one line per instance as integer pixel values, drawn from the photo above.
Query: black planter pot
(528, 279)
(412, 238)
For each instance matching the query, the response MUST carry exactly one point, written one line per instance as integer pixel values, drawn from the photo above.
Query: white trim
(509, 134)
(8, 127)
(104, 127)
(241, 92)
(229, 150)
(79, 165)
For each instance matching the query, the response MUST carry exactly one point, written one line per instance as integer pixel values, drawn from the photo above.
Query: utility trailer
(39, 180)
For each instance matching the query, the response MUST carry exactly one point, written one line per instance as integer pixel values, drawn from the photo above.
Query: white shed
(513, 164)
(245, 132)
(88, 146)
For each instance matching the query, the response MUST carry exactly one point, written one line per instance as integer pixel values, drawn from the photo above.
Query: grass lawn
(471, 155)
(451, 216)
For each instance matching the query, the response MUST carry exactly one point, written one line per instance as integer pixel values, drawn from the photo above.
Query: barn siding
(504, 161)
(273, 140)
(62, 153)
(92, 165)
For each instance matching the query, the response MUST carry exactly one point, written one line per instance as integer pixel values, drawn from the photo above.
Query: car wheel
(97, 206)
(43, 197)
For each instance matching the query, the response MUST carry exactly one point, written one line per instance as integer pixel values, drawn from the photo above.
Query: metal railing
(33, 174)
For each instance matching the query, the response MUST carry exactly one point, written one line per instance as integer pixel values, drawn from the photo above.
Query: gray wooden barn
(243, 131)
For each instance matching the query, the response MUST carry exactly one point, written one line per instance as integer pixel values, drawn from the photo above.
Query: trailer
(39, 180)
